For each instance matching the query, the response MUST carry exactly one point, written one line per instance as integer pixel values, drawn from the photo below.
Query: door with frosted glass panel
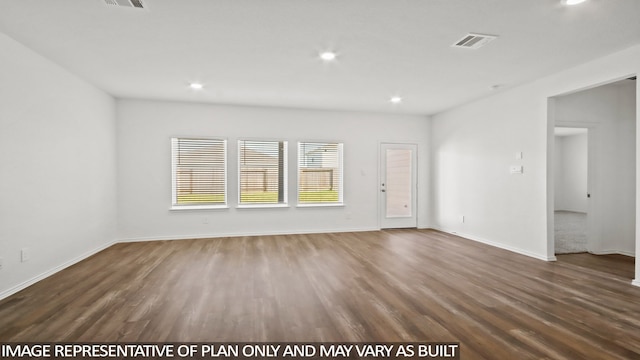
(398, 183)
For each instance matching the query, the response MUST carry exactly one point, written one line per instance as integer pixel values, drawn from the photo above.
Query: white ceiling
(265, 52)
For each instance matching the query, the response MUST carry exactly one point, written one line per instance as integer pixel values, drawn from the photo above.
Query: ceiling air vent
(473, 41)
(126, 3)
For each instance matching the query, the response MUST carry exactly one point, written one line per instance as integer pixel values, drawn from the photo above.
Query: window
(319, 173)
(263, 172)
(198, 172)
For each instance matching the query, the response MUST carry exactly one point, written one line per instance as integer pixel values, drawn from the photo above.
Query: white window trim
(198, 207)
(262, 206)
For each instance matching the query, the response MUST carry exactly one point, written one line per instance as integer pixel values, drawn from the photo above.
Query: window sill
(320, 205)
(197, 207)
(261, 206)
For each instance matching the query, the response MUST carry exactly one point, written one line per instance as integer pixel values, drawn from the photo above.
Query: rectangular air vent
(474, 41)
(126, 3)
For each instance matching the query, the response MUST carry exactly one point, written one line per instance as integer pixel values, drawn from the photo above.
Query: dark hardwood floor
(615, 265)
(387, 286)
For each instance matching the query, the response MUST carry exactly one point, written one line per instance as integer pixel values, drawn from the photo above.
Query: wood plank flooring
(386, 286)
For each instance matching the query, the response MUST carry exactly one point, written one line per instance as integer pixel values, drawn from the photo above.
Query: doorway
(609, 113)
(398, 186)
(571, 205)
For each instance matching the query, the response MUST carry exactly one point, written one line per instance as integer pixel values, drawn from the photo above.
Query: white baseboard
(636, 282)
(609, 252)
(500, 245)
(12, 290)
(263, 233)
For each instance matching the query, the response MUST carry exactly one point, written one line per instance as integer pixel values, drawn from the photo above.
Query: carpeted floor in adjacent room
(570, 232)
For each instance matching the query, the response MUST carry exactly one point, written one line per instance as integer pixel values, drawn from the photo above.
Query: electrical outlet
(25, 254)
(462, 219)
(1, 263)
(205, 220)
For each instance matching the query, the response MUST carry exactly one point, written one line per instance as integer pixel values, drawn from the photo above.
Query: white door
(398, 185)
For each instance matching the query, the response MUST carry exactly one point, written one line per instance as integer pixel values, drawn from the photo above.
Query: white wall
(609, 111)
(474, 145)
(473, 148)
(571, 173)
(57, 150)
(144, 176)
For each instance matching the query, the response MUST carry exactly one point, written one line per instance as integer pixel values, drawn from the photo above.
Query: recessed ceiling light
(196, 86)
(395, 100)
(573, 2)
(328, 56)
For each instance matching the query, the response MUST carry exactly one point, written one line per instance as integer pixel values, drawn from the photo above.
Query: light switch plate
(25, 254)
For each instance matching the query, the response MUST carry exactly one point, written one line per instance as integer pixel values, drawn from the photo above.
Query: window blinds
(199, 171)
